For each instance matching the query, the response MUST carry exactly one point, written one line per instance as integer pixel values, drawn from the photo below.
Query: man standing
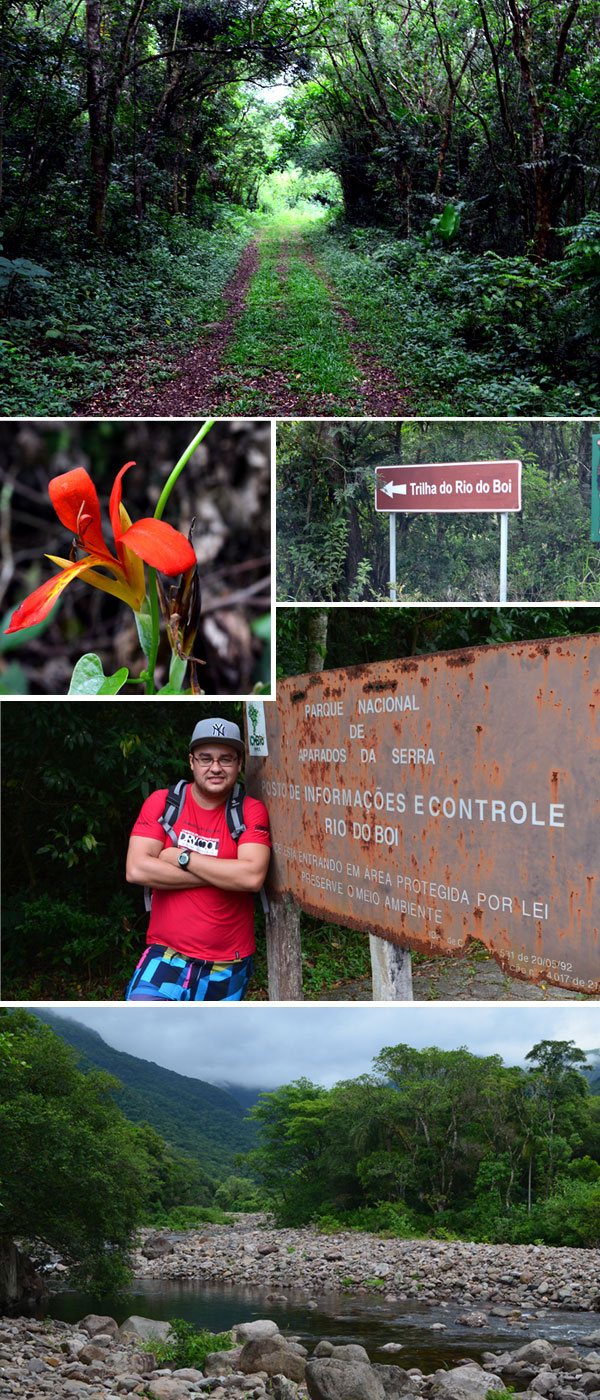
(201, 932)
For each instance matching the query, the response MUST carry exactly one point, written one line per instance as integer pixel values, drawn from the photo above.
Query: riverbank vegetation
(77, 1176)
(450, 157)
(332, 545)
(437, 1142)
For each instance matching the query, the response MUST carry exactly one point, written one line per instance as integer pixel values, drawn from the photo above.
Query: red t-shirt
(205, 923)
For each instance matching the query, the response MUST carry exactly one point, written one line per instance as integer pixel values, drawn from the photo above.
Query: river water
(336, 1316)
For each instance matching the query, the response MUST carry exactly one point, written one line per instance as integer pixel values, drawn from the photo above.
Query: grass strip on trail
(291, 350)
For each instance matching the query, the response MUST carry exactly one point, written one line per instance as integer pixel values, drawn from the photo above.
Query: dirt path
(192, 388)
(381, 395)
(283, 377)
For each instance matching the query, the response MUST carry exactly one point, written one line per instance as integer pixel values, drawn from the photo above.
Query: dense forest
(71, 926)
(332, 545)
(210, 629)
(62, 1126)
(437, 1141)
(216, 205)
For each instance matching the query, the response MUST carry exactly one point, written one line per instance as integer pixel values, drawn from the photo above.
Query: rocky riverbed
(432, 1271)
(96, 1360)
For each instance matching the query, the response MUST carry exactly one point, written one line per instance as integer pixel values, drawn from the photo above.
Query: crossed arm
(151, 863)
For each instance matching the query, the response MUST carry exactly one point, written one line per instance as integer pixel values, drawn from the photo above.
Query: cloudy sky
(262, 1046)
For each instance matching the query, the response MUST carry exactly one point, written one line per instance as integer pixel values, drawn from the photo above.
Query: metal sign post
(502, 593)
(596, 488)
(451, 488)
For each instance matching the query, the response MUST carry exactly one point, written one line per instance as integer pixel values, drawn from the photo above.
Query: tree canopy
(75, 1175)
(436, 1140)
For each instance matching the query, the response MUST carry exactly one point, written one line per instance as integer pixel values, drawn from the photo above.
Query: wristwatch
(183, 859)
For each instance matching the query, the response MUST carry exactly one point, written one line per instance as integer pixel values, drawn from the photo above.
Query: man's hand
(246, 874)
(146, 866)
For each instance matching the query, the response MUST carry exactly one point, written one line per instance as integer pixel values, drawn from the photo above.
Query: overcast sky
(262, 1046)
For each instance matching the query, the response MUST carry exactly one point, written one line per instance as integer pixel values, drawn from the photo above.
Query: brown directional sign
(449, 486)
(441, 798)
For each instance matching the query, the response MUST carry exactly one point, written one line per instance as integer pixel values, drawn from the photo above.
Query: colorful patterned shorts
(164, 975)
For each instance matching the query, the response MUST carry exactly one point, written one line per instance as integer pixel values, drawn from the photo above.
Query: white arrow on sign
(389, 489)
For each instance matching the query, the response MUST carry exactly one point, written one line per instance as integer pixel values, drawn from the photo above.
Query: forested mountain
(192, 1115)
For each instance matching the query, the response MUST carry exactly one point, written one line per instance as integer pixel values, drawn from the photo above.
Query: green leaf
(143, 622)
(89, 679)
(177, 671)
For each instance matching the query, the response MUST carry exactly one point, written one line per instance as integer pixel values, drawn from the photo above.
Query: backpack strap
(235, 820)
(173, 807)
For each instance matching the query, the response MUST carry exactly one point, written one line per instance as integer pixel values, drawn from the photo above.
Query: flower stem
(178, 468)
(158, 514)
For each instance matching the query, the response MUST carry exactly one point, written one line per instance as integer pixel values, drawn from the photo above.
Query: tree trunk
(100, 139)
(316, 638)
(21, 1288)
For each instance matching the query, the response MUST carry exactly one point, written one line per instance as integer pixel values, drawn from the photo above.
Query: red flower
(149, 541)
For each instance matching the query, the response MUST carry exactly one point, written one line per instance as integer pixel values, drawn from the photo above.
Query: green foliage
(239, 1193)
(162, 296)
(443, 1143)
(187, 1346)
(484, 334)
(74, 1172)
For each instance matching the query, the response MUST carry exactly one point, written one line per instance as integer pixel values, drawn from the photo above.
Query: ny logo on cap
(218, 729)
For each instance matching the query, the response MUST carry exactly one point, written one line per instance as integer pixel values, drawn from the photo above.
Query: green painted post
(595, 487)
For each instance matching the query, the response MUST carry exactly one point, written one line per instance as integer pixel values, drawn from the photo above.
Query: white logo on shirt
(203, 845)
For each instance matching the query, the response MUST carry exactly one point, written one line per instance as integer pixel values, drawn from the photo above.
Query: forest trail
(285, 345)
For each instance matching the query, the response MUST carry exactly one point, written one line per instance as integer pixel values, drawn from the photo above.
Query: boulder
(331, 1379)
(91, 1353)
(592, 1339)
(396, 1381)
(472, 1319)
(349, 1351)
(166, 1388)
(188, 1373)
(273, 1355)
(94, 1323)
(254, 1331)
(469, 1382)
(391, 1346)
(147, 1328)
(534, 1353)
(157, 1246)
(220, 1363)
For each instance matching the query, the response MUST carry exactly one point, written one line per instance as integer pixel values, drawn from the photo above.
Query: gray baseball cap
(218, 731)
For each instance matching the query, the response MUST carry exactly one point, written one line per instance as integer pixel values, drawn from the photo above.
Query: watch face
(184, 858)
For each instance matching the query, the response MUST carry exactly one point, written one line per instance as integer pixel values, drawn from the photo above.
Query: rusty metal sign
(437, 799)
(449, 486)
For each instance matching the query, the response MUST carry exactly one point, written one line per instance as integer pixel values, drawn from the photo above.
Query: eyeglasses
(206, 760)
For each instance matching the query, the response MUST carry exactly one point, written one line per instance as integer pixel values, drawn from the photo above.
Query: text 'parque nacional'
(437, 799)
